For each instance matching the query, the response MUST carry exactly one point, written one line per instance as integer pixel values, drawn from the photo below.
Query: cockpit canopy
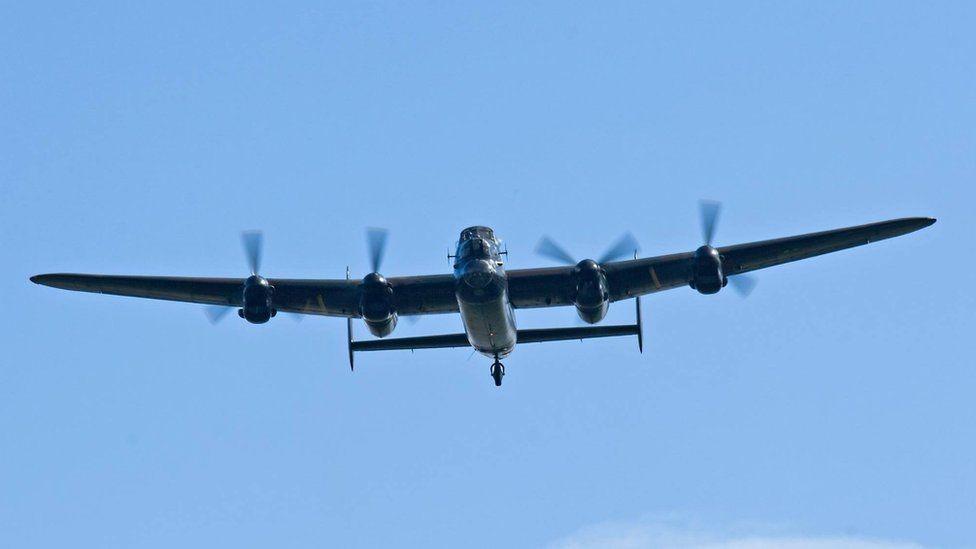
(477, 243)
(477, 231)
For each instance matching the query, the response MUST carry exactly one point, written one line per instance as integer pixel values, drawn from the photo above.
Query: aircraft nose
(478, 274)
(477, 279)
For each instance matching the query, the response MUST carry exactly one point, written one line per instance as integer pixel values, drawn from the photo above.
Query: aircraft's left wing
(556, 286)
(329, 297)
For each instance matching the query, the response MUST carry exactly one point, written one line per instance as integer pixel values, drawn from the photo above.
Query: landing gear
(497, 372)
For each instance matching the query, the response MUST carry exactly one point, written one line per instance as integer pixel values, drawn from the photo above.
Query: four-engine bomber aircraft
(482, 291)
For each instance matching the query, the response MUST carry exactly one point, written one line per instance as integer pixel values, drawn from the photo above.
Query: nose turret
(477, 267)
(478, 280)
(478, 273)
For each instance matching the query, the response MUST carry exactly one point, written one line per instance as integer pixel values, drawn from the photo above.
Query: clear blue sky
(836, 404)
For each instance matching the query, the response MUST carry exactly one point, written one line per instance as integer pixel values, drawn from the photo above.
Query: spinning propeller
(625, 246)
(592, 290)
(376, 241)
(216, 313)
(709, 211)
(253, 242)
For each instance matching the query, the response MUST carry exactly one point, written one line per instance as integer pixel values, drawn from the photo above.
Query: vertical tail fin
(352, 363)
(640, 326)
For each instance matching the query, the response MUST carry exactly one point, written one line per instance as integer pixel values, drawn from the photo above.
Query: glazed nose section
(478, 274)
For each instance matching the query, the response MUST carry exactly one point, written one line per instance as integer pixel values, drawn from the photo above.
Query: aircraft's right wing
(415, 295)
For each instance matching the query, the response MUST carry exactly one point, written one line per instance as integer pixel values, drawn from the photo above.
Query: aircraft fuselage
(481, 288)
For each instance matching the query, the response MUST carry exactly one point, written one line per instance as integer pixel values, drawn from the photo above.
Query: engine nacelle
(706, 271)
(592, 298)
(376, 305)
(258, 300)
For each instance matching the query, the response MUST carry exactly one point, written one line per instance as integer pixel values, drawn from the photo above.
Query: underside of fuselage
(481, 288)
(490, 327)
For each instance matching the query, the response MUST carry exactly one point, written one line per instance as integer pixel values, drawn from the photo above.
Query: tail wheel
(497, 373)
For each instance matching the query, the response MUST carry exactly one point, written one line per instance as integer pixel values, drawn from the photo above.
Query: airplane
(485, 294)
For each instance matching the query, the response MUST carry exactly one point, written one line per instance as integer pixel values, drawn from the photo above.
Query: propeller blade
(412, 319)
(216, 313)
(709, 218)
(625, 246)
(743, 284)
(547, 247)
(252, 248)
(376, 240)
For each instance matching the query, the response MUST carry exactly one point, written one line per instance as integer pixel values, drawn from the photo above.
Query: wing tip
(54, 280)
(911, 224)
